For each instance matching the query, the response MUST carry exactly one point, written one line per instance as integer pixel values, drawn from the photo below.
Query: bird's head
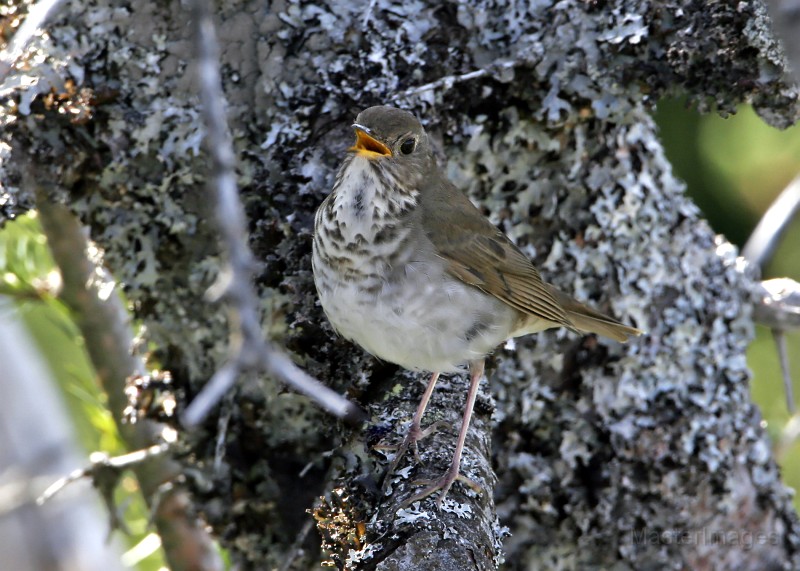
(385, 133)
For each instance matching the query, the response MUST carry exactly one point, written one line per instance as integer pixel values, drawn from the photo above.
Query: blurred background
(733, 167)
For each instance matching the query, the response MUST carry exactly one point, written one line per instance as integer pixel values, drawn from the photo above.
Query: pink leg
(452, 474)
(414, 432)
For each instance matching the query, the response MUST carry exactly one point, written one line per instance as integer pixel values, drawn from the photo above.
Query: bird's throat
(367, 196)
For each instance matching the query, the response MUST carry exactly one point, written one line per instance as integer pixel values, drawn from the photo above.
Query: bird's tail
(588, 320)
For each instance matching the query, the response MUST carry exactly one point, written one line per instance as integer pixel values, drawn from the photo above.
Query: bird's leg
(415, 432)
(453, 474)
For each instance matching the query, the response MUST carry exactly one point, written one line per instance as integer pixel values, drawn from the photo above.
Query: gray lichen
(592, 442)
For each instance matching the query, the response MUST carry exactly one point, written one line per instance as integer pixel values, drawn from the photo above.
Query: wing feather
(502, 271)
(479, 254)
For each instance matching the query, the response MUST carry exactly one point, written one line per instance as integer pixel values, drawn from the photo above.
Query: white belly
(419, 323)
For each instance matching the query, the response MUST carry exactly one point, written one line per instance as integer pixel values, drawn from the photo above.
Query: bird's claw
(443, 483)
(414, 435)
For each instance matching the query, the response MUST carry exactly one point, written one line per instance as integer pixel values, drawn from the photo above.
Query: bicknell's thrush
(409, 269)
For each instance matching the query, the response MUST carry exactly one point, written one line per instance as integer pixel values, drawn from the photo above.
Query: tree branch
(249, 350)
(773, 225)
(37, 15)
(89, 292)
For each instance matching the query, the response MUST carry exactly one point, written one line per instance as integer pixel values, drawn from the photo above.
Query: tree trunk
(591, 454)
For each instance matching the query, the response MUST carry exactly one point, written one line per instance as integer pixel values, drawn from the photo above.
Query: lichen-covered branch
(602, 453)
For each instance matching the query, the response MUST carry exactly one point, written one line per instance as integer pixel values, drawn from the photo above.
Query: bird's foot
(444, 483)
(414, 435)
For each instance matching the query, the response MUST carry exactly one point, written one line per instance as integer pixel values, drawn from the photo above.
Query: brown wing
(479, 254)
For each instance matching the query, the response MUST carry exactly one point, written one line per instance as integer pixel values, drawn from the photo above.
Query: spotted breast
(381, 284)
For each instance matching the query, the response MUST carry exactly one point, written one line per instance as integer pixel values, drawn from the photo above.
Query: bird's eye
(408, 146)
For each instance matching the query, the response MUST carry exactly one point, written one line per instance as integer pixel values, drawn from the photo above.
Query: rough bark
(605, 455)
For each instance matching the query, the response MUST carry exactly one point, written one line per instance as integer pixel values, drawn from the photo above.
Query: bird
(409, 269)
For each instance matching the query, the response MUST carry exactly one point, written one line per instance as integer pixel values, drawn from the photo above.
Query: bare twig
(222, 437)
(296, 550)
(249, 350)
(33, 21)
(779, 309)
(789, 435)
(449, 81)
(780, 298)
(368, 14)
(212, 393)
(770, 229)
(104, 463)
(779, 306)
(783, 357)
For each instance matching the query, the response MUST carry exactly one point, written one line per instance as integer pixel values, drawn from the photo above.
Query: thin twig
(783, 357)
(368, 14)
(449, 81)
(779, 304)
(249, 349)
(772, 226)
(222, 437)
(35, 19)
(779, 309)
(105, 463)
(211, 394)
(789, 435)
(297, 546)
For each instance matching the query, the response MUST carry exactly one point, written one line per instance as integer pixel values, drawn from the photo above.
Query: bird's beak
(367, 145)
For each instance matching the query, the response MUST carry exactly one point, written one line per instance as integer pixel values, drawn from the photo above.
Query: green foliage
(28, 275)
